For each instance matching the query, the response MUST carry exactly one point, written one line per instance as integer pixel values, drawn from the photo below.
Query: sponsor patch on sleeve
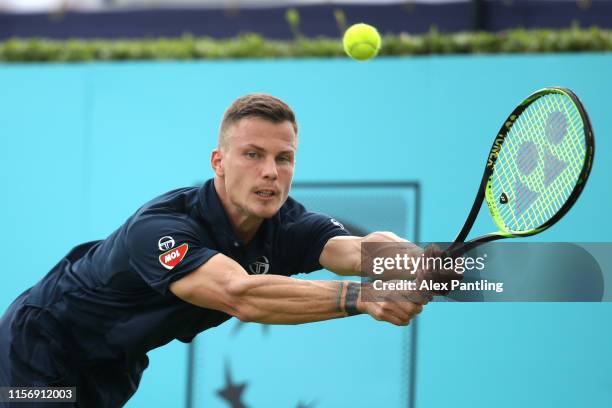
(171, 258)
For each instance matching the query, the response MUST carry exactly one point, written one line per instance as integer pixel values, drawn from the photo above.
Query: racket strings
(550, 171)
(552, 200)
(539, 163)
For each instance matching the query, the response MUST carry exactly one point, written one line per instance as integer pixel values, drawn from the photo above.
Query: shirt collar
(213, 213)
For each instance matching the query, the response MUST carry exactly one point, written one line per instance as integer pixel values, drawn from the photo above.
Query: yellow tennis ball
(361, 42)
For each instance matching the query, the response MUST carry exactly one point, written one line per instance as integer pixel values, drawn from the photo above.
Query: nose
(269, 169)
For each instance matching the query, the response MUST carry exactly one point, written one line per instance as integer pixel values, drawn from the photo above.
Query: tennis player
(187, 261)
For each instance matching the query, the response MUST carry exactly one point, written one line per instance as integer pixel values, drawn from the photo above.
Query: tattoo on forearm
(340, 292)
(351, 298)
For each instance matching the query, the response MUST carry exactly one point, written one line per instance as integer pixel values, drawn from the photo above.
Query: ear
(216, 162)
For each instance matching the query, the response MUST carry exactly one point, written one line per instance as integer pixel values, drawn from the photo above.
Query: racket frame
(485, 190)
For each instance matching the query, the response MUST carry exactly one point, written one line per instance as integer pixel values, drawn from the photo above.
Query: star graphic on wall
(232, 393)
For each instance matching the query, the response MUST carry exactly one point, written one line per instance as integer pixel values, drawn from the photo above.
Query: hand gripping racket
(536, 170)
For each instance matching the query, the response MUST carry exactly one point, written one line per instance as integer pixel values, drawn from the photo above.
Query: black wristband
(352, 295)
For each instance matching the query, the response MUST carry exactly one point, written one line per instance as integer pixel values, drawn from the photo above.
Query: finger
(390, 312)
(409, 310)
(397, 321)
(404, 311)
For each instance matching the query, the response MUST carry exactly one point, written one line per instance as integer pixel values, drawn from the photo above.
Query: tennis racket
(537, 167)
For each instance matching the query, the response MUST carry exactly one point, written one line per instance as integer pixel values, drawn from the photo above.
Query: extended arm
(222, 284)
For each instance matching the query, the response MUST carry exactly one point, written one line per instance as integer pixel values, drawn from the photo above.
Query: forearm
(349, 255)
(274, 299)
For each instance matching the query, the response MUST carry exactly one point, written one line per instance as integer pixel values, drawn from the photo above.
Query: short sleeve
(165, 248)
(306, 238)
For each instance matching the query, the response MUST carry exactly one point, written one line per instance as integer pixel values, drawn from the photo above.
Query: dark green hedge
(254, 46)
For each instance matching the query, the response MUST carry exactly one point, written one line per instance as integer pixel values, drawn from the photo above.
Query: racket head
(539, 163)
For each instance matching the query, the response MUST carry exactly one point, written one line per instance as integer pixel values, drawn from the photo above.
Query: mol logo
(171, 258)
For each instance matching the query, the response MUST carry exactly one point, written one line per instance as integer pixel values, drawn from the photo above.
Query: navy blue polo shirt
(109, 300)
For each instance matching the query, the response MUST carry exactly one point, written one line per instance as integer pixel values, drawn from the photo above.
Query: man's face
(257, 166)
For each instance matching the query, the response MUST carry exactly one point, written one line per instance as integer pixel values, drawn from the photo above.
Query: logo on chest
(261, 266)
(171, 258)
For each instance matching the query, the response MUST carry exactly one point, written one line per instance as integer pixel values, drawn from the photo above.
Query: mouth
(266, 193)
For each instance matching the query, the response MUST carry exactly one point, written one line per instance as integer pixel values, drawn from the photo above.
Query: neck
(245, 226)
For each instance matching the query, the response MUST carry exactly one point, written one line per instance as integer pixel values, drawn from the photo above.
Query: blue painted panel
(84, 145)
(44, 115)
